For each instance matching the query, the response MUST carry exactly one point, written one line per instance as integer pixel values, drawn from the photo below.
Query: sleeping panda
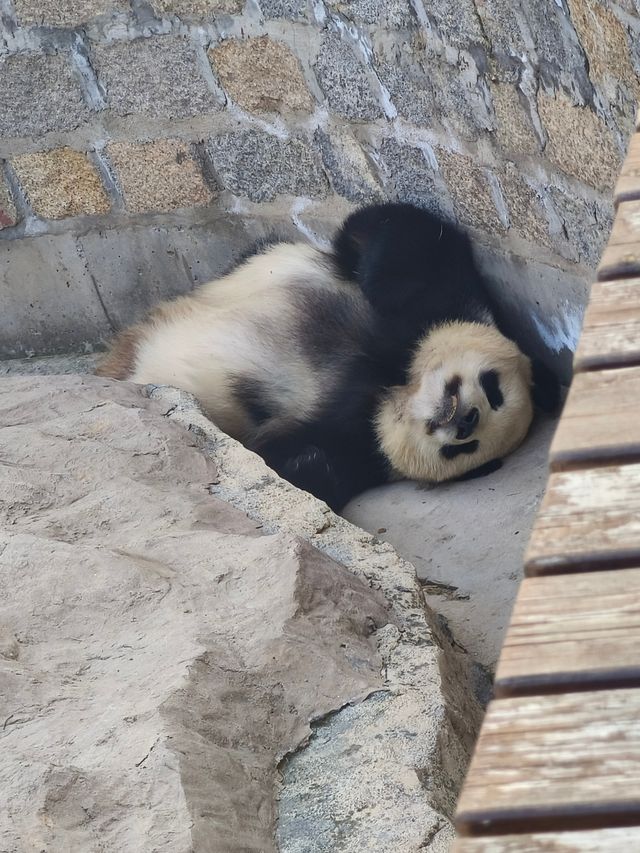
(378, 360)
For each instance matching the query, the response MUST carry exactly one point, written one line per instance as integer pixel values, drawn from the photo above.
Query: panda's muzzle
(466, 423)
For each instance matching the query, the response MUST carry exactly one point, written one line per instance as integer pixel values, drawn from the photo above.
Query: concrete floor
(466, 540)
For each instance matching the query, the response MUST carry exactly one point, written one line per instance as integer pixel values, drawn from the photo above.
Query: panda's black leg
(333, 476)
(481, 470)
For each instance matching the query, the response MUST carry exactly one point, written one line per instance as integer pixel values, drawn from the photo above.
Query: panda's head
(468, 401)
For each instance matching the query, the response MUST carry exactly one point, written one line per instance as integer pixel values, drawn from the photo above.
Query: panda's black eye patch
(450, 451)
(490, 382)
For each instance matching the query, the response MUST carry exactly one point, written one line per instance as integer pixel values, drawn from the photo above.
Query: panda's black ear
(545, 387)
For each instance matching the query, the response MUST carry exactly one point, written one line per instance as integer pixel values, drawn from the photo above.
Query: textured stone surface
(457, 22)
(527, 214)
(556, 45)
(347, 165)
(156, 76)
(410, 89)
(261, 75)
(119, 566)
(501, 25)
(586, 223)
(123, 566)
(58, 106)
(48, 303)
(470, 190)
(605, 42)
(70, 13)
(61, 183)
(378, 797)
(409, 176)
(344, 81)
(160, 175)
(294, 10)
(579, 143)
(197, 8)
(514, 130)
(394, 14)
(8, 212)
(262, 167)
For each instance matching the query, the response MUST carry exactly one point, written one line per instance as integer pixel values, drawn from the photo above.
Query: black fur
(490, 382)
(451, 451)
(481, 471)
(251, 395)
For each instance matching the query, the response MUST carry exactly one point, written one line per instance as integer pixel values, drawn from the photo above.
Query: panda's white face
(468, 402)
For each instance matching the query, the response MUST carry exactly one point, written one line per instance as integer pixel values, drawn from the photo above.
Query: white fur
(465, 350)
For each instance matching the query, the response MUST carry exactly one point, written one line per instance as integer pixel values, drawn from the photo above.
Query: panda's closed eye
(490, 382)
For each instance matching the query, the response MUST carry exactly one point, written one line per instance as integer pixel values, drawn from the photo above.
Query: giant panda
(377, 360)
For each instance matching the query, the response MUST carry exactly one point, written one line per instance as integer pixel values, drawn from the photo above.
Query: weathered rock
(8, 212)
(344, 81)
(347, 166)
(161, 655)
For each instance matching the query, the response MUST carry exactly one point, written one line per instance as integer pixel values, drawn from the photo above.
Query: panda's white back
(242, 328)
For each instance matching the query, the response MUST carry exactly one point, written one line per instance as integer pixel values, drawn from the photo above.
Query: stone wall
(144, 143)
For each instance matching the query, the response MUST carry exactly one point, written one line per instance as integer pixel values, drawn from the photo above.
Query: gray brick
(410, 91)
(501, 26)
(457, 21)
(344, 81)
(196, 9)
(261, 167)
(157, 77)
(292, 10)
(557, 46)
(348, 168)
(39, 94)
(587, 225)
(409, 176)
(392, 14)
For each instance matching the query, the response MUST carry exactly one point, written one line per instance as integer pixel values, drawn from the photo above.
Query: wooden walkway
(557, 764)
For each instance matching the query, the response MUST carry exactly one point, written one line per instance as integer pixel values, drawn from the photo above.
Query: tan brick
(579, 142)
(514, 131)
(61, 183)
(8, 212)
(157, 176)
(469, 188)
(526, 210)
(70, 13)
(605, 41)
(196, 8)
(261, 75)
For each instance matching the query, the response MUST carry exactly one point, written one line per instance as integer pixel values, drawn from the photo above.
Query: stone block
(586, 223)
(395, 14)
(135, 268)
(457, 22)
(156, 76)
(470, 190)
(348, 167)
(157, 176)
(606, 43)
(195, 9)
(254, 164)
(261, 75)
(8, 212)
(38, 94)
(48, 303)
(502, 28)
(292, 10)
(579, 142)
(61, 183)
(410, 89)
(514, 130)
(344, 81)
(410, 177)
(70, 13)
(527, 214)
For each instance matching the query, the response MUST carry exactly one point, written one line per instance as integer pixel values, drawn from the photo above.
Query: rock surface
(171, 665)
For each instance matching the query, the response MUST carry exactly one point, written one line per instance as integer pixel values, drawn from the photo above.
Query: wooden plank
(611, 328)
(552, 763)
(628, 184)
(588, 520)
(624, 840)
(572, 632)
(600, 422)
(621, 257)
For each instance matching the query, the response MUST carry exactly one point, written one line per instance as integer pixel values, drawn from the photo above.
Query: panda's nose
(467, 424)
